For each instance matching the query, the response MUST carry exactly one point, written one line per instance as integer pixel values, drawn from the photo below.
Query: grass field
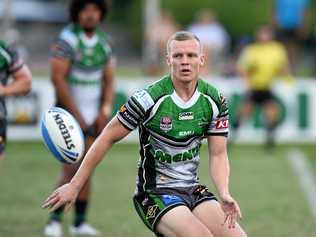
(265, 186)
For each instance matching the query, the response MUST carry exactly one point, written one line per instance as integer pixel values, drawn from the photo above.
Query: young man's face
(185, 59)
(90, 17)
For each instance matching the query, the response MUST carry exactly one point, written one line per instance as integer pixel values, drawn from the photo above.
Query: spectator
(157, 37)
(291, 19)
(213, 36)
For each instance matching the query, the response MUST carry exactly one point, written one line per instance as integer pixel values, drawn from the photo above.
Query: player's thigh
(211, 215)
(180, 222)
(271, 109)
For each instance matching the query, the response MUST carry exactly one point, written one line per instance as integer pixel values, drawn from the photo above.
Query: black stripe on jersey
(223, 115)
(124, 122)
(172, 142)
(225, 134)
(128, 116)
(134, 101)
(146, 169)
(135, 115)
(135, 109)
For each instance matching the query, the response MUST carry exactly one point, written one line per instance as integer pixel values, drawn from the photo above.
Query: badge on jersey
(166, 124)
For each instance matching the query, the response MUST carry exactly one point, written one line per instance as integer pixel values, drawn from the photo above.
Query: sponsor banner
(297, 103)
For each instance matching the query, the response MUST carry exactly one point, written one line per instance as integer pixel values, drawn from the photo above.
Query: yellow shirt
(263, 62)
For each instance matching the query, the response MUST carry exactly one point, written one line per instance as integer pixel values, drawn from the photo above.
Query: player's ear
(168, 59)
(202, 60)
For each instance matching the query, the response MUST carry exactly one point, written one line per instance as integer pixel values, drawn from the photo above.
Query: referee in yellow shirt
(259, 65)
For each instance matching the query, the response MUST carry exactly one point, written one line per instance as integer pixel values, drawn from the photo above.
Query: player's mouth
(185, 71)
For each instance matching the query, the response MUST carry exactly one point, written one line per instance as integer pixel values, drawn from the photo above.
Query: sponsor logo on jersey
(186, 133)
(89, 51)
(144, 99)
(166, 124)
(186, 116)
(151, 211)
(222, 124)
(183, 156)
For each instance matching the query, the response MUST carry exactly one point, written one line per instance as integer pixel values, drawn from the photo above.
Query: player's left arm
(219, 170)
(21, 75)
(20, 84)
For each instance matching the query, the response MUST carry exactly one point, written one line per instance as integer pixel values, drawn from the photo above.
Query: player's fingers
(226, 218)
(53, 195)
(55, 206)
(68, 206)
(51, 202)
(233, 220)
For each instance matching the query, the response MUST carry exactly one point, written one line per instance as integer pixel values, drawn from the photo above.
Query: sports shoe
(53, 229)
(83, 229)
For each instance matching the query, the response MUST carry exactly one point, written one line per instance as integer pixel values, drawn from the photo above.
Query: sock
(57, 214)
(270, 134)
(80, 212)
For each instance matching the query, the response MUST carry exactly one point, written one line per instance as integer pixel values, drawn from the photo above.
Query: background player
(82, 73)
(10, 65)
(259, 65)
(174, 115)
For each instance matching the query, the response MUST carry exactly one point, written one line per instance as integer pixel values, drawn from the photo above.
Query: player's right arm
(66, 194)
(60, 61)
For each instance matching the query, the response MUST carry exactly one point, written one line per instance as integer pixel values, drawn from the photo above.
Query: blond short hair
(182, 36)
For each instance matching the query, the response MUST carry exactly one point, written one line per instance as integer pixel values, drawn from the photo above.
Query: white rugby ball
(62, 135)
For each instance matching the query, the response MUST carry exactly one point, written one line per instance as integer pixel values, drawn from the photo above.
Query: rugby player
(11, 66)
(259, 65)
(173, 116)
(82, 73)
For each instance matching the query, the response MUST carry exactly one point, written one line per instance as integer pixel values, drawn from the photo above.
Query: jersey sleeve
(15, 62)
(220, 121)
(135, 110)
(62, 49)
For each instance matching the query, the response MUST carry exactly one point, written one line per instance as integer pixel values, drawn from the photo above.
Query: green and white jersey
(88, 58)
(10, 62)
(171, 131)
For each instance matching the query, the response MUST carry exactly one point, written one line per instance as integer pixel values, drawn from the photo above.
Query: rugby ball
(62, 135)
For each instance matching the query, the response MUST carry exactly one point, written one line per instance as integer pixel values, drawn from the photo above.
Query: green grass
(268, 192)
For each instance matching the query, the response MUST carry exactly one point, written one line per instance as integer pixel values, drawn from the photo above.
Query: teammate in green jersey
(82, 73)
(11, 65)
(173, 116)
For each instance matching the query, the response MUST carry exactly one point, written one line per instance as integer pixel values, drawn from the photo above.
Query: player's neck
(89, 33)
(184, 90)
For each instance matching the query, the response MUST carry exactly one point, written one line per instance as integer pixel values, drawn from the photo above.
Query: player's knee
(197, 230)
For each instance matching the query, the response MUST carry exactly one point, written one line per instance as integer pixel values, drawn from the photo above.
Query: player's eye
(192, 55)
(178, 55)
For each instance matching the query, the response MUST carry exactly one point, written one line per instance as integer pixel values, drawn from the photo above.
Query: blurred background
(276, 189)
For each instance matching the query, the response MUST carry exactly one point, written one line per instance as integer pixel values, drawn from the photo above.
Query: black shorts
(3, 134)
(152, 205)
(260, 97)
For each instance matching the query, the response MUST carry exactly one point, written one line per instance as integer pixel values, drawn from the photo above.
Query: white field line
(302, 169)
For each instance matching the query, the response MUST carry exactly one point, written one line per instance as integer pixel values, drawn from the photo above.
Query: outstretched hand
(62, 196)
(231, 210)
